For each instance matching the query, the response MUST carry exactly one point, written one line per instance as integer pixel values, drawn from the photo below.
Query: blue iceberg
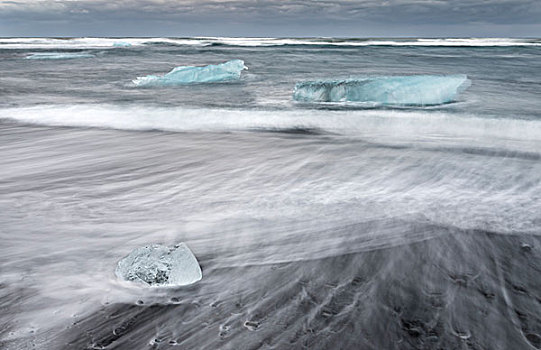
(414, 90)
(121, 44)
(58, 56)
(158, 265)
(227, 71)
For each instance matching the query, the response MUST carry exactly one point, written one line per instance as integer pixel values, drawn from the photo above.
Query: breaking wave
(59, 43)
(58, 56)
(379, 125)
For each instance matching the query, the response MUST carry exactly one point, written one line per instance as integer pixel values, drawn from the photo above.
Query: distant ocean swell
(48, 43)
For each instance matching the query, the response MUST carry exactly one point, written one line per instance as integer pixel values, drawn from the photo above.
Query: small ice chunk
(251, 325)
(159, 265)
(526, 247)
(121, 44)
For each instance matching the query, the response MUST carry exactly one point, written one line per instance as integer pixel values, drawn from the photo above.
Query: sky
(272, 18)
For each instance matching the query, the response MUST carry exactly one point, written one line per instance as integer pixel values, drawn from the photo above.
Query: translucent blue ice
(414, 90)
(158, 265)
(121, 44)
(58, 56)
(213, 73)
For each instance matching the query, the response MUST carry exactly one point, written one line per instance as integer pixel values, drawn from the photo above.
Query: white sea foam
(65, 43)
(388, 125)
(238, 201)
(90, 43)
(58, 56)
(374, 42)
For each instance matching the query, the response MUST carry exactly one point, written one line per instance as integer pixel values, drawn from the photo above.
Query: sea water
(317, 224)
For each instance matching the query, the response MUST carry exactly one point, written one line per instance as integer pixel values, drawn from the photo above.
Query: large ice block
(412, 90)
(227, 71)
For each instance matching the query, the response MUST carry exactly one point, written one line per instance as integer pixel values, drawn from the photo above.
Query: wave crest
(393, 126)
(58, 56)
(56, 43)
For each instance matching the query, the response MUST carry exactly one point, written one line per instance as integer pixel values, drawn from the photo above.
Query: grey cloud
(296, 13)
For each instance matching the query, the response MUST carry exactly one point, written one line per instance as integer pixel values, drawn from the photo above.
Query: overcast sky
(345, 18)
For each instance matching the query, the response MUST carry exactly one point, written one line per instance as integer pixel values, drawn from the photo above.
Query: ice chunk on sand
(413, 90)
(158, 265)
(58, 56)
(182, 75)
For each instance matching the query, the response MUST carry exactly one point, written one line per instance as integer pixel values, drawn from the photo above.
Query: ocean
(317, 224)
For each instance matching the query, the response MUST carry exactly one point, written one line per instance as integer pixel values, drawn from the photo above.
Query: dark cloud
(272, 17)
